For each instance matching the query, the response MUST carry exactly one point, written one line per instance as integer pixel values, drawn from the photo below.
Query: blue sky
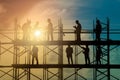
(98, 8)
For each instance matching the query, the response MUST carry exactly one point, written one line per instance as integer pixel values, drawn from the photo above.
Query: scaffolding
(20, 68)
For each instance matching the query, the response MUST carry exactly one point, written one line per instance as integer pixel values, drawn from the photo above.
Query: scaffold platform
(115, 66)
(83, 42)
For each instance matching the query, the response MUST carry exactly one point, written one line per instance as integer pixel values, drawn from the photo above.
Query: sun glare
(37, 33)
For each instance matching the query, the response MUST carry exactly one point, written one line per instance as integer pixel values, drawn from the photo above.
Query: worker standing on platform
(78, 28)
(26, 30)
(50, 30)
(86, 54)
(98, 30)
(36, 31)
(35, 54)
(36, 27)
(69, 51)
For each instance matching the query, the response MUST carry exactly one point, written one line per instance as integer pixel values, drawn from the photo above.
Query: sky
(69, 11)
(86, 11)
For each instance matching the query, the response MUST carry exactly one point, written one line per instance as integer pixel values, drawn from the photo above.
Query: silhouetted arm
(81, 47)
(74, 27)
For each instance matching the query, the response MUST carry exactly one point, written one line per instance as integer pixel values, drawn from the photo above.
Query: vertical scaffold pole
(94, 51)
(108, 48)
(60, 49)
(44, 62)
(28, 62)
(15, 51)
(76, 61)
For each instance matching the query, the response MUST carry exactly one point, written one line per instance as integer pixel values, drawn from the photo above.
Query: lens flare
(37, 33)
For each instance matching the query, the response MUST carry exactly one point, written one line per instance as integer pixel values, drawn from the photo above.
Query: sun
(37, 33)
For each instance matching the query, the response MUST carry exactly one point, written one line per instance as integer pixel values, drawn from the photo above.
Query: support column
(60, 49)
(108, 49)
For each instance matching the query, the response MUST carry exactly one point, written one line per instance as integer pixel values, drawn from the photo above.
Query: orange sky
(36, 10)
(10, 9)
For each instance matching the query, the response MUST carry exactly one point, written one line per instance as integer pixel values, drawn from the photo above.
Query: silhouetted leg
(98, 36)
(75, 36)
(32, 60)
(48, 36)
(78, 36)
(85, 59)
(68, 60)
(71, 60)
(51, 36)
(37, 60)
(99, 61)
(88, 59)
(96, 60)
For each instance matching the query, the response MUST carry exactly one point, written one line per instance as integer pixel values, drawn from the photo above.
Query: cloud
(50, 9)
(10, 9)
(2, 9)
(33, 9)
(39, 10)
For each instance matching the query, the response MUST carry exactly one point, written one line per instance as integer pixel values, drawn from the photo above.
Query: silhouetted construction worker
(98, 54)
(78, 28)
(86, 54)
(17, 25)
(98, 30)
(35, 54)
(36, 31)
(26, 30)
(69, 51)
(50, 30)
(17, 28)
(36, 27)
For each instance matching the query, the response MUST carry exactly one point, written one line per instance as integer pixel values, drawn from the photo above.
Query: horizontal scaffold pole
(20, 43)
(102, 66)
